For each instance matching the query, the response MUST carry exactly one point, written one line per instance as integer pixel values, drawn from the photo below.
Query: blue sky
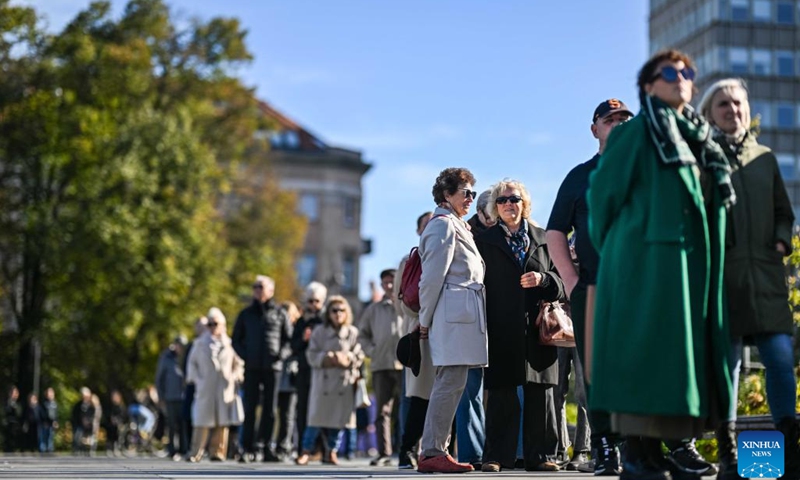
(505, 88)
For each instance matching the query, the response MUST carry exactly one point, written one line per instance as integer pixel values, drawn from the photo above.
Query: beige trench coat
(216, 401)
(451, 293)
(331, 403)
(422, 385)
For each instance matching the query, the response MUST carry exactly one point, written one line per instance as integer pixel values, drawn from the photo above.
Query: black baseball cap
(612, 105)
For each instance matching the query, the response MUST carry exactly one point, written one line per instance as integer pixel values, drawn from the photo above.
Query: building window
(306, 269)
(762, 61)
(738, 60)
(785, 12)
(740, 10)
(762, 10)
(786, 165)
(785, 115)
(785, 63)
(309, 206)
(763, 110)
(350, 212)
(348, 273)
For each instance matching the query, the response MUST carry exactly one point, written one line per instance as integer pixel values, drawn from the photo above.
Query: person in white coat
(335, 356)
(452, 312)
(215, 369)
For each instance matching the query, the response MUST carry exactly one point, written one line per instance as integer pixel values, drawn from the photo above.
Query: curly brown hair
(648, 70)
(449, 180)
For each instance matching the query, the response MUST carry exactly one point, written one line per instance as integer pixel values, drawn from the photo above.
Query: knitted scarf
(518, 241)
(685, 139)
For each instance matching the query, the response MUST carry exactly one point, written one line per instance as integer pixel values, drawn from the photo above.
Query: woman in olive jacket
(519, 274)
(759, 231)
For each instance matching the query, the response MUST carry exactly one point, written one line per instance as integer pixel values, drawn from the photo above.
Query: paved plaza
(74, 468)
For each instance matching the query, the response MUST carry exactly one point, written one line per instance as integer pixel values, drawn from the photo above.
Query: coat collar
(461, 226)
(495, 235)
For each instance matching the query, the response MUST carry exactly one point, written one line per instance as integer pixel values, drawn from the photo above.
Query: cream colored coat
(331, 403)
(452, 300)
(216, 401)
(422, 385)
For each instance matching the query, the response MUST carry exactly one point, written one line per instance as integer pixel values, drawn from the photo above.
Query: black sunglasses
(212, 324)
(469, 193)
(670, 74)
(337, 310)
(513, 199)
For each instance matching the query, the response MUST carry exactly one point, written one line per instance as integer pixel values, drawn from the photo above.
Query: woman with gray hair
(215, 369)
(519, 275)
(759, 235)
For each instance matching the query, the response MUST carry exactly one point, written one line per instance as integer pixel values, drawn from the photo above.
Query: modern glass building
(758, 40)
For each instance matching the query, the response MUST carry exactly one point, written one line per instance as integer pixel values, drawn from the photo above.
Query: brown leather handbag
(555, 326)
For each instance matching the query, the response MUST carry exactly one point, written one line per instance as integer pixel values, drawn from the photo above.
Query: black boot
(791, 439)
(727, 452)
(638, 463)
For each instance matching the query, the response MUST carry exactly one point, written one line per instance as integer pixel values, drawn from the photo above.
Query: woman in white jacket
(215, 369)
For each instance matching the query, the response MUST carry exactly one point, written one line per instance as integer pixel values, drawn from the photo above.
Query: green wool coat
(755, 277)
(660, 341)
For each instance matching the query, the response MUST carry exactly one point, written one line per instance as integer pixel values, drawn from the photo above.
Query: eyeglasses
(337, 310)
(469, 193)
(258, 286)
(314, 300)
(513, 199)
(211, 324)
(670, 74)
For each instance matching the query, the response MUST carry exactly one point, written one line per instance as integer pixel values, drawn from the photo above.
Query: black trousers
(303, 386)
(253, 381)
(599, 420)
(539, 426)
(287, 407)
(415, 422)
(175, 432)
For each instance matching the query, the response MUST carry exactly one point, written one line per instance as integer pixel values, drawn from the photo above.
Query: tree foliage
(118, 140)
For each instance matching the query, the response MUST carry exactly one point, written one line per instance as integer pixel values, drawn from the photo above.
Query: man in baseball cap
(570, 214)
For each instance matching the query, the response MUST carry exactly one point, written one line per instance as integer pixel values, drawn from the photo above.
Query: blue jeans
(46, 439)
(331, 436)
(470, 419)
(777, 356)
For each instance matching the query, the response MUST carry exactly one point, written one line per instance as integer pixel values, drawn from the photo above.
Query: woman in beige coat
(215, 369)
(452, 313)
(334, 355)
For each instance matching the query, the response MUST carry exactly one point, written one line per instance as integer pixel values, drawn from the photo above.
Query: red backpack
(409, 284)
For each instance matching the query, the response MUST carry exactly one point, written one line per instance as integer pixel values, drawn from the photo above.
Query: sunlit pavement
(68, 467)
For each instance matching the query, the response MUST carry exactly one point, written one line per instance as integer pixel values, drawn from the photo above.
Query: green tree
(118, 138)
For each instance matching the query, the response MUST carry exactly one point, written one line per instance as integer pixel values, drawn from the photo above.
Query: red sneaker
(442, 464)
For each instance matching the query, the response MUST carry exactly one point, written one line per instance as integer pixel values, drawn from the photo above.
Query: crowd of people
(667, 246)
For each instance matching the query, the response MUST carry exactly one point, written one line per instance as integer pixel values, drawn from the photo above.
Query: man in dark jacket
(48, 412)
(169, 383)
(12, 421)
(261, 338)
(312, 316)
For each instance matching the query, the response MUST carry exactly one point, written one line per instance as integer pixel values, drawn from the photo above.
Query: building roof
(289, 135)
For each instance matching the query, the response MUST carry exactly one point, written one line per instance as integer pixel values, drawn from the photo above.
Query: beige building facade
(328, 184)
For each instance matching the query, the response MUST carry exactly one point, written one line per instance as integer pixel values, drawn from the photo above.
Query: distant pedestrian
(116, 421)
(32, 420)
(49, 416)
(287, 394)
(83, 423)
(169, 383)
(12, 421)
(215, 369)
(380, 328)
(261, 338)
(188, 393)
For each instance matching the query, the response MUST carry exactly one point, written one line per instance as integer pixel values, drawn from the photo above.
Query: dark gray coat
(515, 356)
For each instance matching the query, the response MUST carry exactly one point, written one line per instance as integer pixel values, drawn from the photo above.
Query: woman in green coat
(758, 237)
(657, 204)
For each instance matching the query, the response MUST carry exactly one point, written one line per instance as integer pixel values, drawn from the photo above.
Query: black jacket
(261, 336)
(515, 356)
(299, 346)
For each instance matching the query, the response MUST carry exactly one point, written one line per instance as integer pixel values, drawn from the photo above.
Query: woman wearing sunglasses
(657, 208)
(452, 313)
(759, 235)
(519, 274)
(335, 357)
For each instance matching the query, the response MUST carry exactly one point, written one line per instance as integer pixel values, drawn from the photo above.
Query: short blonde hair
(727, 85)
(497, 190)
(338, 300)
